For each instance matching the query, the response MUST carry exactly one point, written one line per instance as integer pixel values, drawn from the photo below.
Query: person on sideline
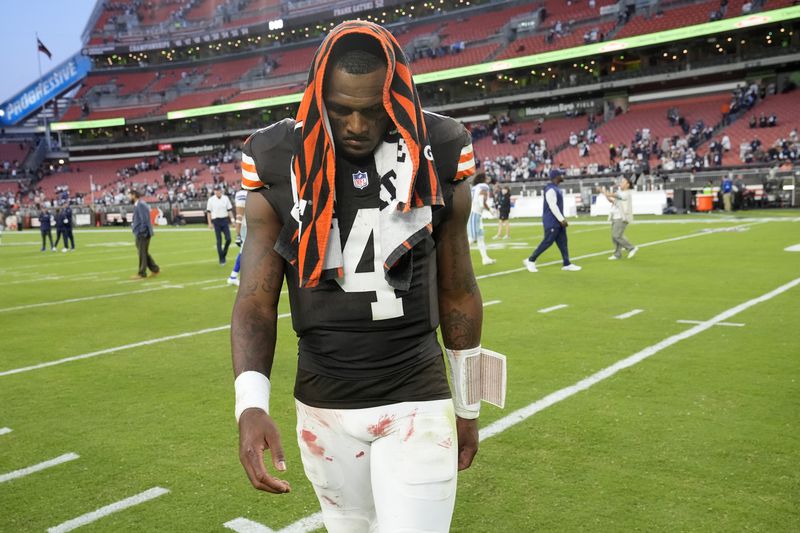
(503, 200)
(66, 229)
(555, 225)
(372, 240)
(239, 202)
(45, 225)
(727, 193)
(621, 215)
(142, 228)
(480, 199)
(219, 212)
(59, 228)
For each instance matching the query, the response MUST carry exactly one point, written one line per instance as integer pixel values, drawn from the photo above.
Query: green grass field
(702, 434)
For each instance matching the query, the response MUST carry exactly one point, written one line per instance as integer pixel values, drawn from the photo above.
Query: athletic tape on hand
(465, 374)
(252, 391)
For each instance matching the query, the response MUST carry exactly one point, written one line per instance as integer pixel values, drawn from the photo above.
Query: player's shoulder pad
(266, 139)
(269, 150)
(443, 129)
(451, 144)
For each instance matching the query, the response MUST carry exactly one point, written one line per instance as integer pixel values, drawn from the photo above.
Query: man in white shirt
(620, 216)
(480, 198)
(219, 211)
(555, 225)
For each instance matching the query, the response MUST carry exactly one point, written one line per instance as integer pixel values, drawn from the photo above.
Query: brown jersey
(361, 341)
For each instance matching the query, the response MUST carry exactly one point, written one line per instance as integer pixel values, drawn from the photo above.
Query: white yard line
(161, 286)
(4, 431)
(36, 277)
(112, 350)
(604, 252)
(492, 302)
(84, 299)
(553, 308)
(37, 467)
(629, 314)
(120, 348)
(88, 518)
(312, 522)
(733, 324)
(215, 287)
(304, 525)
(551, 399)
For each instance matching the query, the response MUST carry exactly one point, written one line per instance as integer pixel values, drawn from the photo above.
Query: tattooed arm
(460, 305)
(253, 331)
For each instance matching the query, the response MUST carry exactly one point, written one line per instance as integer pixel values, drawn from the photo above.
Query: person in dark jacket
(44, 227)
(60, 228)
(66, 228)
(142, 229)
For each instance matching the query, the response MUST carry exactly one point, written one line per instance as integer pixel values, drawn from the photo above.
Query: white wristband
(465, 374)
(252, 391)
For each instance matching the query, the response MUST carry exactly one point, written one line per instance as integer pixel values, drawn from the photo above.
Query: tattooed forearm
(273, 280)
(253, 342)
(459, 330)
(462, 276)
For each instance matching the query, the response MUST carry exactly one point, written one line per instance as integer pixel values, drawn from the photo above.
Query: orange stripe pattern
(315, 164)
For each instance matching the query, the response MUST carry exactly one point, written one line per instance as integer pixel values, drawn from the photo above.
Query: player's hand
(564, 223)
(210, 225)
(258, 432)
(467, 441)
(239, 241)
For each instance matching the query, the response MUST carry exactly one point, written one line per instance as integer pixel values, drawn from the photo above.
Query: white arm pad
(465, 374)
(252, 391)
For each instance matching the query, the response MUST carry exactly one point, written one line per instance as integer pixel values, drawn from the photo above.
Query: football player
(239, 202)
(361, 203)
(480, 203)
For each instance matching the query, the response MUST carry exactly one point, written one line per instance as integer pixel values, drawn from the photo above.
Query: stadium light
(87, 124)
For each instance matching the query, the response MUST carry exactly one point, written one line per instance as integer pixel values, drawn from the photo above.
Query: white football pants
(382, 469)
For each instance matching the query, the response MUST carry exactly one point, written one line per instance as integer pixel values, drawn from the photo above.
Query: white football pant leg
(386, 469)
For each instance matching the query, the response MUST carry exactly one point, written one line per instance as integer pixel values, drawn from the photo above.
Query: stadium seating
(199, 99)
(784, 106)
(227, 72)
(652, 115)
(696, 13)
(13, 152)
(536, 43)
(204, 10)
(481, 25)
(470, 55)
(256, 94)
(555, 130)
(293, 61)
(7, 186)
(406, 34)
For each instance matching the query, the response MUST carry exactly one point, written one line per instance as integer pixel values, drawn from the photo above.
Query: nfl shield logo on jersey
(360, 180)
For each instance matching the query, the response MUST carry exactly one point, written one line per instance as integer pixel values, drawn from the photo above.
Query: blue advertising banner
(49, 86)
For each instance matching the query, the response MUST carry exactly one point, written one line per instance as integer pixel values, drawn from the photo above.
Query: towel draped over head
(314, 164)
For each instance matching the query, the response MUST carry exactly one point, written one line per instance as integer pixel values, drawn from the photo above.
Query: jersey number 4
(387, 304)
